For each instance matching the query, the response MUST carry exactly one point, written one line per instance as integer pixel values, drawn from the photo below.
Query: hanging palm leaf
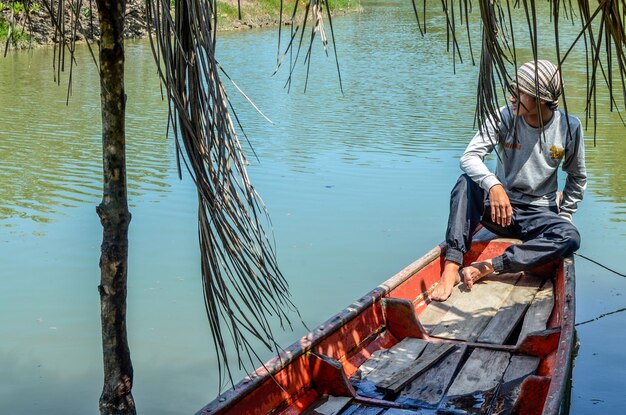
(602, 32)
(243, 286)
(315, 12)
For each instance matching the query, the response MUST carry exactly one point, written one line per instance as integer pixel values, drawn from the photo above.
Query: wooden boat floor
(456, 371)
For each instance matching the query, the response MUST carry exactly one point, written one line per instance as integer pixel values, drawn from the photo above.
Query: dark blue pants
(545, 235)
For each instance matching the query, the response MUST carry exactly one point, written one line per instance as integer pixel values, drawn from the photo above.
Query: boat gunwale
(562, 368)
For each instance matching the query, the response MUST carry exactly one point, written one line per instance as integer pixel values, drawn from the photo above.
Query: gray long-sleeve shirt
(528, 161)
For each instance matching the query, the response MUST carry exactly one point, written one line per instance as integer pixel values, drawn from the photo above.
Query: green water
(357, 186)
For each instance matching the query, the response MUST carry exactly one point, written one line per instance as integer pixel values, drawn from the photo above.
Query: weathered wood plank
(519, 368)
(483, 370)
(474, 309)
(328, 405)
(473, 389)
(397, 411)
(358, 409)
(432, 314)
(511, 311)
(431, 355)
(383, 363)
(428, 389)
(539, 311)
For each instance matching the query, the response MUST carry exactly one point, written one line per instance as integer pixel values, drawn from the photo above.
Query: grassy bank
(20, 12)
(267, 12)
(19, 36)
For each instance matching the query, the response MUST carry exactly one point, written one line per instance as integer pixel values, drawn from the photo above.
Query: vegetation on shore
(267, 12)
(27, 23)
(19, 13)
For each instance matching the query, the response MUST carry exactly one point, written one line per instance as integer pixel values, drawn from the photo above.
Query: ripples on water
(51, 152)
(51, 156)
(357, 186)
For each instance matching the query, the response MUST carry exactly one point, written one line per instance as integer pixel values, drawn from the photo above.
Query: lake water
(357, 186)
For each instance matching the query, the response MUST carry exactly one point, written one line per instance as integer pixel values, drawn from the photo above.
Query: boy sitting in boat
(532, 137)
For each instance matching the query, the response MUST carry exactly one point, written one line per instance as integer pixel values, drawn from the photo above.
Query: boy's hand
(501, 210)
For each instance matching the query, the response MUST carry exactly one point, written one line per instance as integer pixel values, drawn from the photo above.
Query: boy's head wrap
(540, 79)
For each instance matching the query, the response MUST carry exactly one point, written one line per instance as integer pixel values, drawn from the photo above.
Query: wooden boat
(503, 347)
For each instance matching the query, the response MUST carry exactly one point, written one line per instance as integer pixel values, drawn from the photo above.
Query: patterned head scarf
(547, 86)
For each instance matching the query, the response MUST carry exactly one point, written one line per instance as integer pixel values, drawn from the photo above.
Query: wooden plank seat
(328, 405)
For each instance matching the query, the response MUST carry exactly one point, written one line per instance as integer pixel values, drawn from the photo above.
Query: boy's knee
(462, 185)
(460, 182)
(572, 239)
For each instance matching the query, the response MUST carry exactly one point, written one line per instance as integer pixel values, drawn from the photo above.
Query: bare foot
(449, 278)
(476, 271)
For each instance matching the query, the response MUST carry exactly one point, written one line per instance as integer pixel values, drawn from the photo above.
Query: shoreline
(34, 30)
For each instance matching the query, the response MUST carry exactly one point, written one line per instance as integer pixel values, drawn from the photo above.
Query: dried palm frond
(314, 11)
(605, 48)
(421, 29)
(243, 286)
(65, 18)
(603, 33)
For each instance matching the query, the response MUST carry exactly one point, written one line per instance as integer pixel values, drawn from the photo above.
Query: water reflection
(402, 115)
(51, 151)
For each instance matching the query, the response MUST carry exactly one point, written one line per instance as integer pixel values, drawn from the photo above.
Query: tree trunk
(116, 395)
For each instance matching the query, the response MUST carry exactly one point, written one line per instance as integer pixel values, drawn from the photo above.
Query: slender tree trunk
(116, 395)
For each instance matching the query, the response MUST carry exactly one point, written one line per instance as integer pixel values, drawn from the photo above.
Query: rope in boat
(605, 314)
(600, 316)
(599, 264)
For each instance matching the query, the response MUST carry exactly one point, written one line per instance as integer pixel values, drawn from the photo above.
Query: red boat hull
(321, 362)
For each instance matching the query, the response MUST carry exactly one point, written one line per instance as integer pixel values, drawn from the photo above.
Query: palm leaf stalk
(115, 217)
(116, 397)
(243, 286)
(315, 11)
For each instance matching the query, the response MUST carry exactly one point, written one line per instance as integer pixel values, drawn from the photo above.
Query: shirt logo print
(556, 153)
(513, 146)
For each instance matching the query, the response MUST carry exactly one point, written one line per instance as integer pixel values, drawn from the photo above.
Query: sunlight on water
(357, 186)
